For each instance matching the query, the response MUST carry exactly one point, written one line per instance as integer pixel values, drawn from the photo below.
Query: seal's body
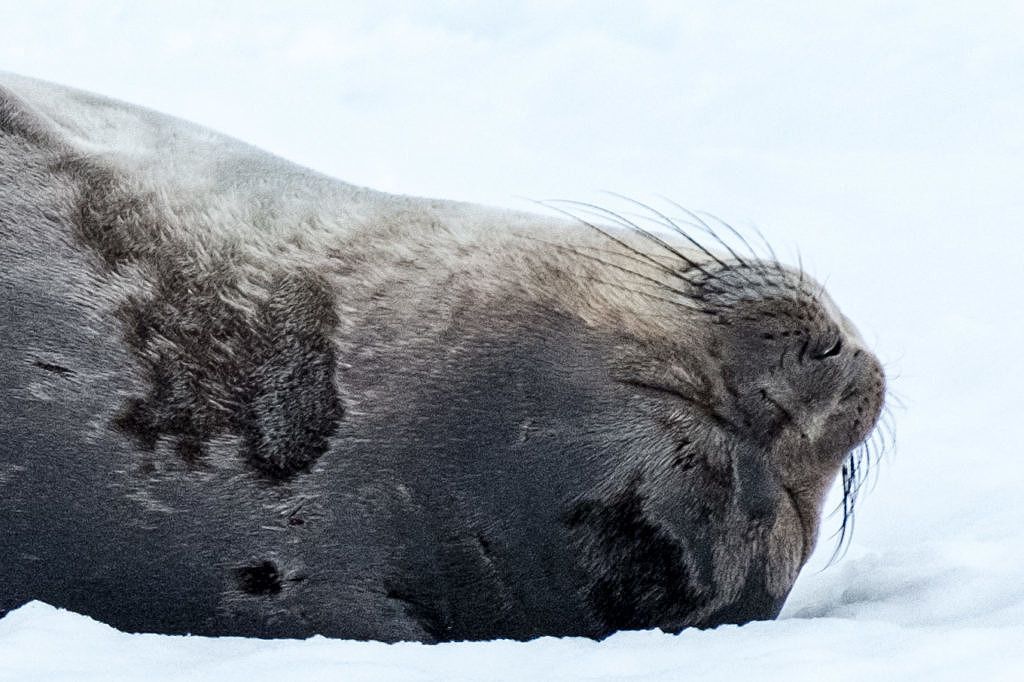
(242, 398)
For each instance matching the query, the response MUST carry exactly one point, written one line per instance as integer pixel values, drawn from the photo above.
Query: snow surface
(886, 139)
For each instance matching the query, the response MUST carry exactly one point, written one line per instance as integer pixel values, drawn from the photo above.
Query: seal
(243, 398)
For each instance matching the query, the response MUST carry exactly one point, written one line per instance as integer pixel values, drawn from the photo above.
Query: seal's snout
(831, 400)
(860, 403)
(834, 400)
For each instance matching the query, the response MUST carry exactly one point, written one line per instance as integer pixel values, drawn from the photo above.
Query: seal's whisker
(886, 429)
(607, 252)
(767, 244)
(620, 268)
(739, 235)
(641, 292)
(673, 225)
(668, 222)
(871, 456)
(625, 222)
(877, 451)
(886, 421)
(712, 284)
(759, 264)
(703, 224)
(881, 440)
(821, 289)
(857, 471)
(892, 396)
(845, 531)
(616, 240)
(617, 254)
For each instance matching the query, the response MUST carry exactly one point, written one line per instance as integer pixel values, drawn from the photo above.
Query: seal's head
(756, 393)
(792, 377)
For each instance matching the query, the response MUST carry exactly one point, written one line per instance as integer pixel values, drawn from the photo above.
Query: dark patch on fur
(116, 224)
(639, 578)
(220, 355)
(289, 404)
(754, 602)
(262, 579)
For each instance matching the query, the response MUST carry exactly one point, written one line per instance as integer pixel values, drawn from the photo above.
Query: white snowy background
(886, 139)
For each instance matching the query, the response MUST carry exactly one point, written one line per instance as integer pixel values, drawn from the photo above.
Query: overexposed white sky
(884, 139)
(486, 100)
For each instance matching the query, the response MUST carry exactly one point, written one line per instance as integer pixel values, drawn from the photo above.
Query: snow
(884, 139)
(40, 642)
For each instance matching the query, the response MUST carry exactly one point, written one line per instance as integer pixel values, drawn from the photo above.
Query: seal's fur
(244, 398)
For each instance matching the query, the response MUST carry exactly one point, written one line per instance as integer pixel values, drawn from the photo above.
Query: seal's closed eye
(831, 351)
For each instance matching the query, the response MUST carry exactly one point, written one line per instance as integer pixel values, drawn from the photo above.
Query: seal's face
(764, 392)
(795, 374)
(796, 379)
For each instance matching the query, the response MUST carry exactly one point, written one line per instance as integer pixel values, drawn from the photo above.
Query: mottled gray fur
(243, 398)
